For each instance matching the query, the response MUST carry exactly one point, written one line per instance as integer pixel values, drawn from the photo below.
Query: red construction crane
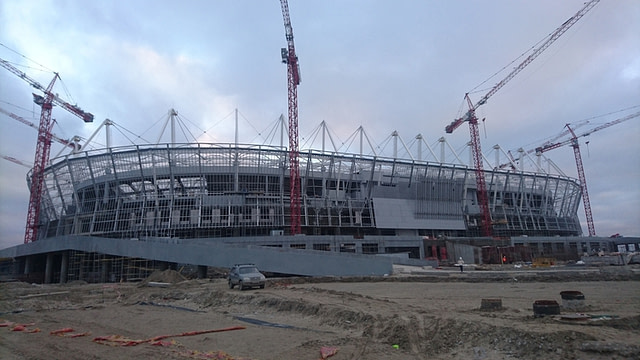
(573, 141)
(74, 109)
(43, 146)
(290, 58)
(470, 116)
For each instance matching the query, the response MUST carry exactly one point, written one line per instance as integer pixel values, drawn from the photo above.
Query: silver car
(246, 276)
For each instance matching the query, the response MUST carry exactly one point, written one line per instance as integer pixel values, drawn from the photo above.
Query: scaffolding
(102, 268)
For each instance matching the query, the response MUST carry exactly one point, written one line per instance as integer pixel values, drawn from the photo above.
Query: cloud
(631, 72)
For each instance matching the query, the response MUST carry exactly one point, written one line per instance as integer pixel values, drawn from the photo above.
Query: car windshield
(248, 270)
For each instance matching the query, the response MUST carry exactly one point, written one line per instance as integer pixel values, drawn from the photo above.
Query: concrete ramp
(214, 253)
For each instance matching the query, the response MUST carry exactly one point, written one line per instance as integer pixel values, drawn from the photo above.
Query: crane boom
(16, 161)
(551, 144)
(64, 142)
(547, 147)
(74, 109)
(290, 58)
(536, 52)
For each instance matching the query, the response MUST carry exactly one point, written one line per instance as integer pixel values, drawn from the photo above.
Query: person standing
(461, 264)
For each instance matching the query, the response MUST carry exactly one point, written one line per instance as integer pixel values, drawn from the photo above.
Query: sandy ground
(416, 314)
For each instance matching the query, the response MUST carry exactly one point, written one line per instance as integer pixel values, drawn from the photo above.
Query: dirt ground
(414, 314)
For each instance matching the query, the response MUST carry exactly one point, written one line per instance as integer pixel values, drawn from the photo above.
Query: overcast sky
(383, 65)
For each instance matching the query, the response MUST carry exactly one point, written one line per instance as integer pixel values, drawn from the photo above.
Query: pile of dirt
(166, 276)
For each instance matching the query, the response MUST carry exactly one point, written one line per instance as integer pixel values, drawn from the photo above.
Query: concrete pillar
(64, 266)
(48, 270)
(202, 272)
(104, 273)
(80, 259)
(28, 261)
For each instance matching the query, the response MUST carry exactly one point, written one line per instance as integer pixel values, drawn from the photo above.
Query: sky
(385, 66)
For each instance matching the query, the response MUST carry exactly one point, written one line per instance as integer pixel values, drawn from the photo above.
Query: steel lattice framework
(290, 58)
(227, 190)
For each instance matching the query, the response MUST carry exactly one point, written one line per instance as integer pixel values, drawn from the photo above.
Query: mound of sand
(166, 276)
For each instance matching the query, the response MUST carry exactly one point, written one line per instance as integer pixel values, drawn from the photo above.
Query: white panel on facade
(400, 214)
(255, 215)
(150, 217)
(194, 216)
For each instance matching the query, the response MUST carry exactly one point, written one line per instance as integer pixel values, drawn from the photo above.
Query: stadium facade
(218, 191)
(120, 213)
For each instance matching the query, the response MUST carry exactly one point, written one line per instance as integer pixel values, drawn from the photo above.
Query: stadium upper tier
(222, 190)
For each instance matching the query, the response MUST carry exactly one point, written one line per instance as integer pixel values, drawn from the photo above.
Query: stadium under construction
(118, 213)
(122, 212)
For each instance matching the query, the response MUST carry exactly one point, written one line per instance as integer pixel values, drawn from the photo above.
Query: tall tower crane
(470, 116)
(290, 58)
(573, 141)
(43, 146)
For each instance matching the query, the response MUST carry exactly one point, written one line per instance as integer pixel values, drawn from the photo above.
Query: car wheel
(262, 286)
(230, 285)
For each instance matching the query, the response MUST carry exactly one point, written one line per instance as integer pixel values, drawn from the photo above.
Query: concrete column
(104, 273)
(27, 265)
(202, 272)
(64, 266)
(48, 270)
(81, 269)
